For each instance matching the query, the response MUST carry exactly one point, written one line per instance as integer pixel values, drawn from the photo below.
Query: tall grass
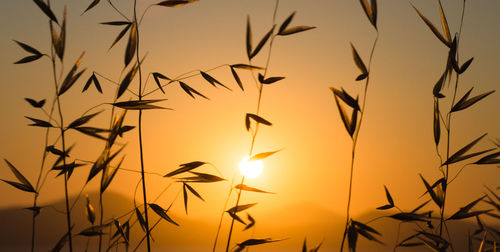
(430, 231)
(435, 237)
(56, 56)
(353, 125)
(103, 162)
(260, 81)
(438, 237)
(132, 51)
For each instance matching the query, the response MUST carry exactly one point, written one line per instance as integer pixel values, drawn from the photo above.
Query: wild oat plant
(117, 229)
(431, 231)
(436, 236)
(432, 234)
(252, 124)
(352, 124)
(59, 148)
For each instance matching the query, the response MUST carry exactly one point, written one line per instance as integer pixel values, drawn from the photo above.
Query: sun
(251, 169)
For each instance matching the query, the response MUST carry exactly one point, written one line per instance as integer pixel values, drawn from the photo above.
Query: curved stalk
(222, 215)
(146, 217)
(101, 213)
(38, 186)
(63, 140)
(254, 135)
(448, 128)
(232, 219)
(354, 143)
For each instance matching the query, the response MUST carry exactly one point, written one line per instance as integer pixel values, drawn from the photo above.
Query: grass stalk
(355, 141)
(63, 142)
(232, 219)
(101, 205)
(254, 135)
(38, 186)
(144, 195)
(39, 183)
(101, 215)
(448, 125)
(222, 215)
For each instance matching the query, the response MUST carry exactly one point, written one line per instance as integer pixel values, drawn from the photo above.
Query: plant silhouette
(92, 225)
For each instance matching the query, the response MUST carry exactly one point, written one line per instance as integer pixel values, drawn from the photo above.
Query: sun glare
(251, 169)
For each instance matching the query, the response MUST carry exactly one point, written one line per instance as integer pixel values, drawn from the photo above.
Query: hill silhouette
(292, 224)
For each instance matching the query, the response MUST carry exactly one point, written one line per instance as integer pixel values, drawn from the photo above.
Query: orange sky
(396, 141)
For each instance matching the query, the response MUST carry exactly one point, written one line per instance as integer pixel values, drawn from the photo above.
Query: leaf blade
(465, 103)
(444, 23)
(46, 9)
(262, 155)
(126, 81)
(358, 61)
(162, 213)
(432, 27)
(185, 168)
(240, 208)
(296, 29)
(237, 78)
(131, 44)
(257, 119)
(459, 155)
(250, 189)
(249, 38)
(262, 43)
(92, 5)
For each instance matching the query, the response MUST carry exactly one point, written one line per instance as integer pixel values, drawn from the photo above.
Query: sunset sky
(396, 141)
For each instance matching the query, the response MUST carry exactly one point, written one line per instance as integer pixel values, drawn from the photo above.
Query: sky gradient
(396, 141)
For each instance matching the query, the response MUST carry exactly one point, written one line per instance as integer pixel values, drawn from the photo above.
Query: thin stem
(77, 197)
(122, 169)
(101, 213)
(397, 236)
(222, 214)
(448, 233)
(448, 130)
(87, 245)
(49, 116)
(68, 211)
(38, 186)
(145, 84)
(144, 194)
(144, 237)
(33, 224)
(254, 135)
(458, 173)
(180, 77)
(232, 219)
(157, 222)
(107, 148)
(355, 141)
(144, 13)
(39, 179)
(133, 210)
(117, 10)
(260, 85)
(107, 78)
(116, 83)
